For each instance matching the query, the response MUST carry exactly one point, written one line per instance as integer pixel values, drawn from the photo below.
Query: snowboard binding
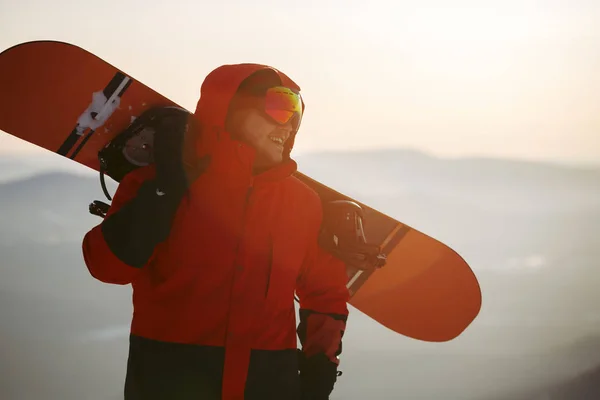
(131, 149)
(343, 235)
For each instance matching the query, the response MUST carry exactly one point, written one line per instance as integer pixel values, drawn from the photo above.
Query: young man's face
(264, 135)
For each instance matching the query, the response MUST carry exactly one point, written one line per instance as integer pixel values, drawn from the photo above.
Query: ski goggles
(282, 104)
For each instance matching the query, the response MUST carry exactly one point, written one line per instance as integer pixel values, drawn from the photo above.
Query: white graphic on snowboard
(103, 108)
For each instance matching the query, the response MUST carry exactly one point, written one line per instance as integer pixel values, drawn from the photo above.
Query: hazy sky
(515, 78)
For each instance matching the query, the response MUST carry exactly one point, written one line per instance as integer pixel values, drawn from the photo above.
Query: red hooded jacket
(241, 245)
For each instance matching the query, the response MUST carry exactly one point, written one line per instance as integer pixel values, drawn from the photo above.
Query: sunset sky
(502, 78)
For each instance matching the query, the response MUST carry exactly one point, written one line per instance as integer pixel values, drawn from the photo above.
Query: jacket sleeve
(323, 298)
(99, 259)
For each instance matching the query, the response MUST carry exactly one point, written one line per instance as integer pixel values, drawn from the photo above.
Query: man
(215, 238)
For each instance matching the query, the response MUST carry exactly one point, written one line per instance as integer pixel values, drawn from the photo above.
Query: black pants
(170, 371)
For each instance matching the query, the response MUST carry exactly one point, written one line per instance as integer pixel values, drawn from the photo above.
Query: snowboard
(66, 100)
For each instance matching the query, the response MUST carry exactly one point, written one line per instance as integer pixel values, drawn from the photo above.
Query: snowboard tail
(68, 101)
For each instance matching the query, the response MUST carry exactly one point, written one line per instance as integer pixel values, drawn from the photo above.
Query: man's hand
(136, 228)
(173, 140)
(318, 375)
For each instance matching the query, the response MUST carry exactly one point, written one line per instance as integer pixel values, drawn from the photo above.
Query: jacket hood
(220, 87)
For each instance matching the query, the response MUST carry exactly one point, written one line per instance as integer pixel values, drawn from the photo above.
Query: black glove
(318, 375)
(133, 231)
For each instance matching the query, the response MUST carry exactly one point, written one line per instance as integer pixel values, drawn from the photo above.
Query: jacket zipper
(243, 228)
(239, 241)
(241, 237)
(270, 267)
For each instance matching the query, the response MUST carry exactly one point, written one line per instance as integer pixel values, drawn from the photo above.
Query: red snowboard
(69, 101)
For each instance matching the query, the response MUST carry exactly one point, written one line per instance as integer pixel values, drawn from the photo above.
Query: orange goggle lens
(282, 104)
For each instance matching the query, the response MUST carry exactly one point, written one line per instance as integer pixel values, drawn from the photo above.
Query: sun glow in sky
(511, 78)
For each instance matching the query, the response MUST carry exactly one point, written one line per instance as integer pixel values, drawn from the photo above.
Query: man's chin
(269, 160)
(274, 157)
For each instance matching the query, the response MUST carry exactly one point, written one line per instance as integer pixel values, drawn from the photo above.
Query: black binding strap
(112, 161)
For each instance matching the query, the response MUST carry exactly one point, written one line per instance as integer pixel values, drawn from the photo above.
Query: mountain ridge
(531, 245)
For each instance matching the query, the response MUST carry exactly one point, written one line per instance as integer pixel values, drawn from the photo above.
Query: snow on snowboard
(66, 100)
